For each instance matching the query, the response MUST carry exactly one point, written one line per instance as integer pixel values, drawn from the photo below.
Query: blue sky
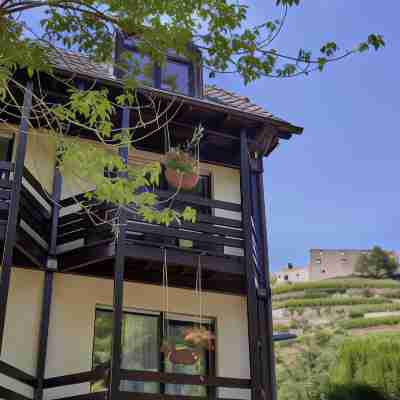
(337, 185)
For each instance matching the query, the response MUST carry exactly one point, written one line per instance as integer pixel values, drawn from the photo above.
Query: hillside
(328, 318)
(355, 304)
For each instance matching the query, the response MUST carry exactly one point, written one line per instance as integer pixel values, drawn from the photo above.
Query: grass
(327, 302)
(342, 283)
(369, 322)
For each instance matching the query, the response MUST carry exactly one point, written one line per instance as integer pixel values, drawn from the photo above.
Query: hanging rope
(198, 290)
(165, 325)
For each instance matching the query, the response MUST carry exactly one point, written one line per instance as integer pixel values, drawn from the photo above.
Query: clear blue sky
(337, 185)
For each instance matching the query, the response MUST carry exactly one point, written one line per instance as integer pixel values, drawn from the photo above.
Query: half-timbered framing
(43, 232)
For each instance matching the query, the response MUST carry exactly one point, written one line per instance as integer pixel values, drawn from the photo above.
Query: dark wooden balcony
(86, 244)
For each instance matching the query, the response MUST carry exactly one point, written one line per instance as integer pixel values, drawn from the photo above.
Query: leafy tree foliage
(377, 264)
(218, 28)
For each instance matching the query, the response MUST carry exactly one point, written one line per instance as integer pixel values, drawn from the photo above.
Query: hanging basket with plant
(182, 166)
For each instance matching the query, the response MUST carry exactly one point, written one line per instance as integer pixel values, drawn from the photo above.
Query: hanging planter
(182, 168)
(180, 354)
(200, 337)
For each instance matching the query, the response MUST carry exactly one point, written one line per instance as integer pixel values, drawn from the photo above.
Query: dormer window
(176, 77)
(178, 74)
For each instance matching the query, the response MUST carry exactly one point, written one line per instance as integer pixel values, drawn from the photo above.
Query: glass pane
(140, 347)
(141, 350)
(142, 68)
(102, 344)
(177, 332)
(175, 76)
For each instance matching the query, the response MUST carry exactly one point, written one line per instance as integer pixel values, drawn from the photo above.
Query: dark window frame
(194, 88)
(210, 357)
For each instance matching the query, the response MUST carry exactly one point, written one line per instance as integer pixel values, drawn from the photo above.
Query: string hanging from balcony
(200, 336)
(174, 351)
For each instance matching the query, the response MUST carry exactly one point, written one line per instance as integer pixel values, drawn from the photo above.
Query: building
(82, 310)
(292, 274)
(324, 264)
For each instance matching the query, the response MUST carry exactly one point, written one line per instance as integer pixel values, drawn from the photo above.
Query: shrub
(356, 314)
(359, 283)
(324, 302)
(392, 295)
(373, 361)
(368, 322)
(282, 327)
(354, 392)
(370, 308)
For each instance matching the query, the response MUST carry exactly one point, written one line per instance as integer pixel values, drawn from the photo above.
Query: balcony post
(11, 230)
(265, 303)
(119, 268)
(48, 285)
(252, 307)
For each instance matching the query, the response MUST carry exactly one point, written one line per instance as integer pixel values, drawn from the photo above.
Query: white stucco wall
(72, 324)
(21, 333)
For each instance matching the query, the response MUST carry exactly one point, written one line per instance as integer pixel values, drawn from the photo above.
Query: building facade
(85, 311)
(324, 264)
(292, 274)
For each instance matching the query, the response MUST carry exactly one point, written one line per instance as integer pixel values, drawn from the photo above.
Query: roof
(81, 65)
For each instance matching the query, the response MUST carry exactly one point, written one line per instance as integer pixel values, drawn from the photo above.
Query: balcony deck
(86, 246)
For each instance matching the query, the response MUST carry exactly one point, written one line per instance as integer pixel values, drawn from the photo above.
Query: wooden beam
(185, 379)
(187, 258)
(11, 231)
(43, 334)
(245, 187)
(119, 269)
(266, 302)
(160, 396)
(8, 394)
(86, 255)
(17, 374)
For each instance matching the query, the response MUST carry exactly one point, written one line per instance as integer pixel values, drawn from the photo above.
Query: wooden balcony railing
(144, 376)
(217, 231)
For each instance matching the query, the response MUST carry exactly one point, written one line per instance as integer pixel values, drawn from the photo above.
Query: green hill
(333, 320)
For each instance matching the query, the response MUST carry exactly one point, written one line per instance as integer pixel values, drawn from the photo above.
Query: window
(142, 337)
(323, 271)
(179, 74)
(6, 149)
(286, 277)
(318, 261)
(175, 76)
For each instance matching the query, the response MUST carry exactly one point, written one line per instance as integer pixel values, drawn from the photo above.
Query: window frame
(186, 319)
(194, 89)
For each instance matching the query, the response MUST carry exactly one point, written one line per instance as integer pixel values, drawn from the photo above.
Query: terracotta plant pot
(181, 180)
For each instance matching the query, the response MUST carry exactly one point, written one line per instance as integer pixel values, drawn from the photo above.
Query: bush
(324, 302)
(356, 314)
(392, 295)
(372, 361)
(354, 392)
(282, 327)
(370, 308)
(368, 322)
(343, 283)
